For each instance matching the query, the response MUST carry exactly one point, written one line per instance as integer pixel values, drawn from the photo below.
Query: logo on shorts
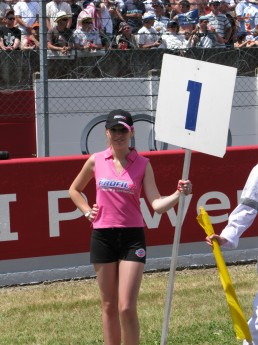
(140, 253)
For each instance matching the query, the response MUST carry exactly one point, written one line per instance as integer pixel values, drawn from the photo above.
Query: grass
(68, 313)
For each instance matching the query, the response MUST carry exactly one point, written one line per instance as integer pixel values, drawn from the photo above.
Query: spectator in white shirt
(171, 39)
(26, 13)
(147, 36)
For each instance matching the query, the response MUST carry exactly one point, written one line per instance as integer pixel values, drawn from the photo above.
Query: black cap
(172, 24)
(119, 117)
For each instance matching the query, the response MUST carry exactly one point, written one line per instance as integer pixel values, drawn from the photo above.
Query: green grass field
(68, 313)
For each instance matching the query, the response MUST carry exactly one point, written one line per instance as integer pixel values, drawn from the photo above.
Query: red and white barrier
(43, 236)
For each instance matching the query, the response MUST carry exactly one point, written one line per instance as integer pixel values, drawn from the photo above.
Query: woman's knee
(110, 308)
(127, 311)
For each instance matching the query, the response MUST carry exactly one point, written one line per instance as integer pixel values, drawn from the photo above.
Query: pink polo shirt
(118, 195)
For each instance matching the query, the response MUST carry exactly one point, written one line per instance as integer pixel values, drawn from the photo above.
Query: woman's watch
(87, 214)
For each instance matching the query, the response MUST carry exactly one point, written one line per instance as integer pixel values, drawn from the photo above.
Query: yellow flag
(239, 321)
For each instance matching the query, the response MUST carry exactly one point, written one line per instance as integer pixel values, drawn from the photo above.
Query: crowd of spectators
(93, 25)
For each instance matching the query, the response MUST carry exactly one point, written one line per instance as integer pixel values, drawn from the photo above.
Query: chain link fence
(17, 68)
(20, 68)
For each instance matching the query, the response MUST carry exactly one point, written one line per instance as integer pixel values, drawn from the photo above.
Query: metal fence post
(44, 71)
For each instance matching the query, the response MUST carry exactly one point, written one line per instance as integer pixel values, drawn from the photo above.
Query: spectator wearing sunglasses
(10, 35)
(219, 24)
(87, 37)
(60, 38)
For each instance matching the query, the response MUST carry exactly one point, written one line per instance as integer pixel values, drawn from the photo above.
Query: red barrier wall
(17, 123)
(24, 200)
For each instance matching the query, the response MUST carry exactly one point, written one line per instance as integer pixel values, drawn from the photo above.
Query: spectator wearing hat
(202, 37)
(160, 23)
(219, 24)
(53, 8)
(87, 37)
(92, 9)
(4, 8)
(132, 12)
(148, 37)
(26, 13)
(171, 39)
(60, 38)
(10, 35)
(31, 41)
(125, 39)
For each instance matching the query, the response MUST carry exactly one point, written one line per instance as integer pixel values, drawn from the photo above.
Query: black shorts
(114, 244)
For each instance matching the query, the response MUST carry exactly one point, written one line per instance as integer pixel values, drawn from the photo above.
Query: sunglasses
(119, 130)
(64, 20)
(215, 4)
(11, 18)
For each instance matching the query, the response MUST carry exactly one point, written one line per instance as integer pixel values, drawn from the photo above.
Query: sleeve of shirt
(244, 214)
(141, 37)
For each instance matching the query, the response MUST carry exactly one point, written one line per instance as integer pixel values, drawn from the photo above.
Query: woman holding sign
(118, 249)
(239, 221)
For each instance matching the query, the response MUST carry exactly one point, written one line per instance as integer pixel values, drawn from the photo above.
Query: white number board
(194, 104)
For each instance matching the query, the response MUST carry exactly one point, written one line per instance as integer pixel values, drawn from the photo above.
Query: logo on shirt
(116, 185)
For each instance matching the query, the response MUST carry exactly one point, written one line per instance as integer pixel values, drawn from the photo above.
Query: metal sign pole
(186, 167)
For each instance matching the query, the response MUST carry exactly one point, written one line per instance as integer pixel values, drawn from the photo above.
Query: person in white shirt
(147, 36)
(239, 221)
(171, 39)
(26, 13)
(87, 37)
